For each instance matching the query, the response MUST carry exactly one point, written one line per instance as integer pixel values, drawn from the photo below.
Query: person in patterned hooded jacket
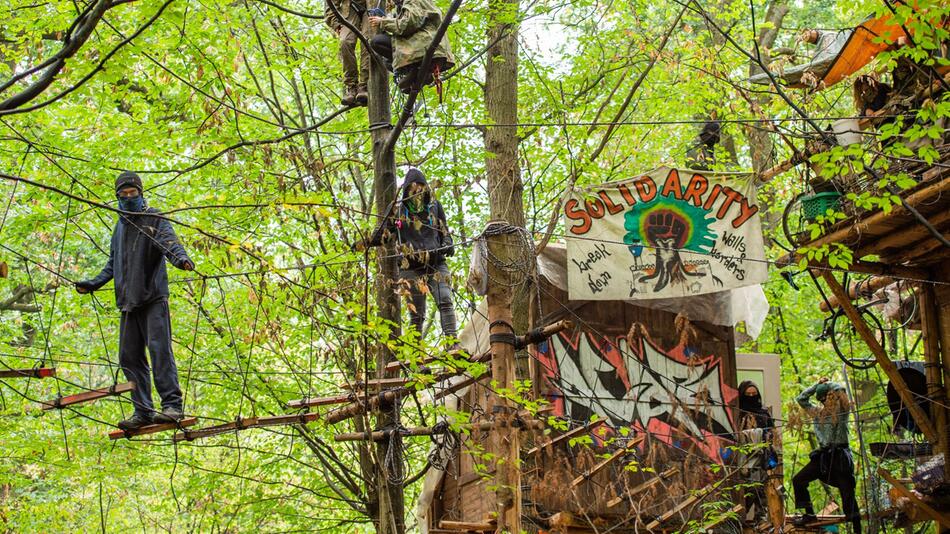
(406, 36)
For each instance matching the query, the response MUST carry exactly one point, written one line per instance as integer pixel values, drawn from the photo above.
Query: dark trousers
(437, 281)
(382, 44)
(835, 467)
(149, 326)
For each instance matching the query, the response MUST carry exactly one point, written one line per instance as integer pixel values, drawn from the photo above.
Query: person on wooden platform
(355, 73)
(832, 462)
(140, 243)
(404, 38)
(419, 227)
(757, 456)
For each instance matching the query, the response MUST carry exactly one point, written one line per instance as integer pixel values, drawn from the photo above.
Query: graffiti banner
(673, 394)
(667, 233)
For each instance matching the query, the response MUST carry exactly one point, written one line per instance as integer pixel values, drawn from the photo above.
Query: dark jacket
(140, 244)
(422, 237)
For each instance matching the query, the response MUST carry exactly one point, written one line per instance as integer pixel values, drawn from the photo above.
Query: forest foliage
(229, 110)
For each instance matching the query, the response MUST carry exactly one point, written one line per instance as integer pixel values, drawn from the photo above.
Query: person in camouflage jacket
(405, 37)
(355, 74)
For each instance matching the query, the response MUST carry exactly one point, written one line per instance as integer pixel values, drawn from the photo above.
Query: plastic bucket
(847, 131)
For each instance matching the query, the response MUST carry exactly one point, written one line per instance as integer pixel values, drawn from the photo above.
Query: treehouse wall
(672, 379)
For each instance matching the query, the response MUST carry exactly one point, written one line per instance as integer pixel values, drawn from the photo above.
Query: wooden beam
(858, 289)
(380, 435)
(821, 521)
(320, 401)
(607, 461)
(936, 390)
(794, 161)
(860, 226)
(378, 383)
(207, 432)
(392, 367)
(568, 435)
(640, 488)
(36, 372)
(905, 236)
(864, 267)
(468, 526)
(737, 509)
(152, 429)
(88, 396)
(940, 518)
(890, 369)
(281, 420)
(689, 501)
(359, 406)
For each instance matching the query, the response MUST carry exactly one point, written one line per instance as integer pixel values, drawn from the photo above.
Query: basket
(818, 204)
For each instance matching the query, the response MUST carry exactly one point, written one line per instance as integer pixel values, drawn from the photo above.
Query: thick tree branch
(12, 105)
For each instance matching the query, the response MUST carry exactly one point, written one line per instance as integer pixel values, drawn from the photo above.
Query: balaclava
(130, 179)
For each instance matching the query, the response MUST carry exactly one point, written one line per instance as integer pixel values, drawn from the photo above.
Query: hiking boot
(135, 422)
(804, 520)
(349, 96)
(168, 415)
(362, 96)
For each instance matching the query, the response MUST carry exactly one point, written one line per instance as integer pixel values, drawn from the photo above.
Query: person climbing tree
(405, 39)
(355, 75)
(418, 224)
(140, 243)
(832, 462)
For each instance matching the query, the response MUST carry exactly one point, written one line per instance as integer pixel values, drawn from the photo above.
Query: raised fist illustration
(665, 226)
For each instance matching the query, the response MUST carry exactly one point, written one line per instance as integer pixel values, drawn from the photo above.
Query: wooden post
(930, 330)
(505, 195)
(391, 506)
(890, 369)
(506, 441)
(941, 519)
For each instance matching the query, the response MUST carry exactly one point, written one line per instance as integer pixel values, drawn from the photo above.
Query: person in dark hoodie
(751, 412)
(417, 223)
(140, 243)
(755, 426)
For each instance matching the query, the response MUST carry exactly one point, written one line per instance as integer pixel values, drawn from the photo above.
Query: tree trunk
(507, 297)
(391, 517)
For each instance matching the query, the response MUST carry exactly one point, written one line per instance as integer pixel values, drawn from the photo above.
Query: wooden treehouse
(899, 274)
(638, 412)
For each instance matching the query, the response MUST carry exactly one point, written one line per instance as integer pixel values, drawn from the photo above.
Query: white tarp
(665, 234)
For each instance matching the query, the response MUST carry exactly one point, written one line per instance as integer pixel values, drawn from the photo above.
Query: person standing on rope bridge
(418, 223)
(140, 244)
(404, 39)
(832, 463)
(355, 75)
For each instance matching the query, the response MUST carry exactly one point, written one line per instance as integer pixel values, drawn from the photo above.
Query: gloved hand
(450, 251)
(85, 286)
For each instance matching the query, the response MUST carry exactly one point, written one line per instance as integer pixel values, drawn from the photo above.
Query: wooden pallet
(152, 429)
(88, 396)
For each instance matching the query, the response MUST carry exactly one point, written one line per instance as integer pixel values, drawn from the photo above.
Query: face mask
(748, 404)
(134, 204)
